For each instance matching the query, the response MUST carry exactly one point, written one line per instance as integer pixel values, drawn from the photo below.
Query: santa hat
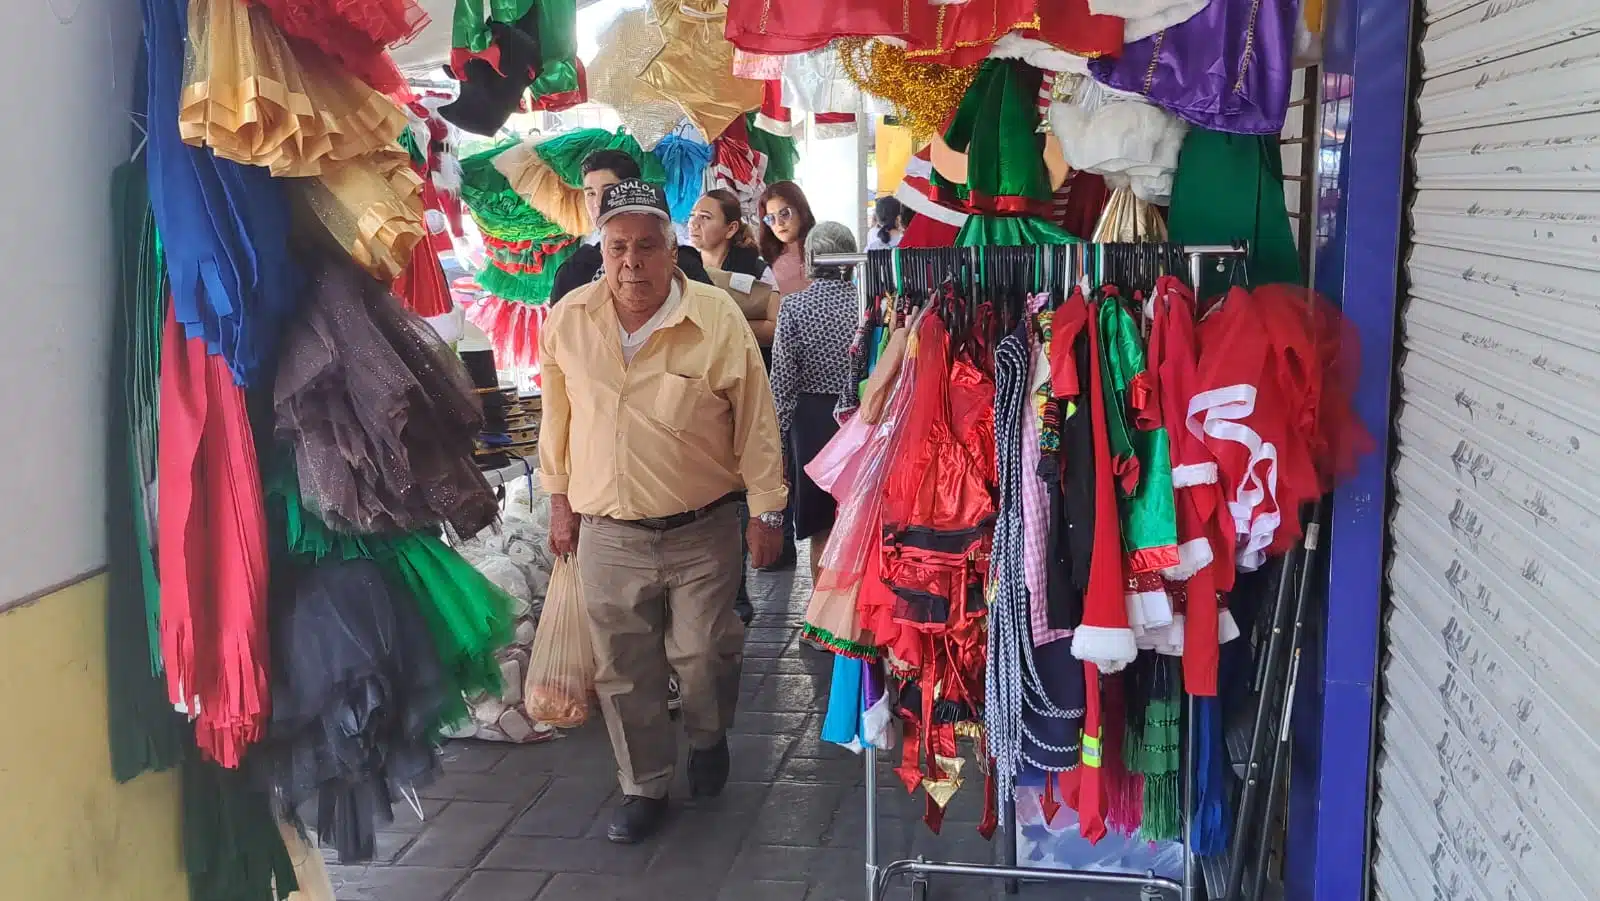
(916, 192)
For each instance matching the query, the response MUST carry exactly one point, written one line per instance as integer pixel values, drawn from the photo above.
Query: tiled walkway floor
(522, 823)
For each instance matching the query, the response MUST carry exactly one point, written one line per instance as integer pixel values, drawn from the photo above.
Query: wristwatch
(773, 520)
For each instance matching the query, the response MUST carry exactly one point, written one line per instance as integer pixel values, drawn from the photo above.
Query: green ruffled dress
(1008, 186)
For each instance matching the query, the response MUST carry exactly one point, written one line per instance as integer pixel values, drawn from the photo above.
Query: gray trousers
(658, 604)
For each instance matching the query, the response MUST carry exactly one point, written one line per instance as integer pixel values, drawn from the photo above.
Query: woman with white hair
(810, 369)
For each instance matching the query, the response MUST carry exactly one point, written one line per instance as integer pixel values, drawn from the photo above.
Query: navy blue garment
(224, 225)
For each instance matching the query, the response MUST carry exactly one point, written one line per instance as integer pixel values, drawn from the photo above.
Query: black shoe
(637, 819)
(708, 770)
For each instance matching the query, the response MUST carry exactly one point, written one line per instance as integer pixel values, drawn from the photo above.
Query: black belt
(679, 520)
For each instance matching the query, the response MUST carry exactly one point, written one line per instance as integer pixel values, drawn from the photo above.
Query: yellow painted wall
(68, 831)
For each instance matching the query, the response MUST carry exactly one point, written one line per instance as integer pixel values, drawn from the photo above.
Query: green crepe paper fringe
(469, 617)
(146, 734)
(499, 211)
(565, 154)
(525, 287)
(844, 647)
(232, 848)
(782, 154)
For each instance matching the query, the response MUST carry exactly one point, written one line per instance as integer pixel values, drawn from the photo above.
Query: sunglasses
(783, 215)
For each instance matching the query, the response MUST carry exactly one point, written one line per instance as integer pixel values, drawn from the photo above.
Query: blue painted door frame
(1362, 180)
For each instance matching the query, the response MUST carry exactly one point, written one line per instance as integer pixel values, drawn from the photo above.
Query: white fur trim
(1190, 474)
(772, 126)
(1108, 648)
(1227, 629)
(919, 167)
(436, 222)
(1193, 556)
(1038, 54)
(1148, 611)
(923, 206)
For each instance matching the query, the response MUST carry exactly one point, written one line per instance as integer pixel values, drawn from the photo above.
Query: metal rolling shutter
(1490, 723)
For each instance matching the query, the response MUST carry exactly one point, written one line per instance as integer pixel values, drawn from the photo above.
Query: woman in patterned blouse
(810, 367)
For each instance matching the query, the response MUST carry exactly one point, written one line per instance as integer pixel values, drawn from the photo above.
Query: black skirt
(810, 430)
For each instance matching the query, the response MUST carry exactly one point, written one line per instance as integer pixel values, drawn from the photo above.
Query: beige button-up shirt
(688, 421)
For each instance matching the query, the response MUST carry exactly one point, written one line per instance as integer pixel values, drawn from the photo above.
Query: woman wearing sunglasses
(786, 220)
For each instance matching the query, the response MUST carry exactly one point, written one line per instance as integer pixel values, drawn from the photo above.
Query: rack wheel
(919, 889)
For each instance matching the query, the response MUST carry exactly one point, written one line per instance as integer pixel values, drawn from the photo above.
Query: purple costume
(1226, 69)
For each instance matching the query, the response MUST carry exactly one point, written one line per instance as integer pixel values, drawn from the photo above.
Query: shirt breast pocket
(682, 401)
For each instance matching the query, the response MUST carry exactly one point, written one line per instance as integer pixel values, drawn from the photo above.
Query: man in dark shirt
(601, 170)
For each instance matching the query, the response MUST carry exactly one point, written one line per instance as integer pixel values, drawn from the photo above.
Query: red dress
(962, 34)
(356, 33)
(1272, 404)
(923, 599)
(796, 26)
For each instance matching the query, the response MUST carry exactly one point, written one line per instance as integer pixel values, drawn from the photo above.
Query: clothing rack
(879, 877)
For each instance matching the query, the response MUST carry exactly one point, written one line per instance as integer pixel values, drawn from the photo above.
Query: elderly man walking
(658, 420)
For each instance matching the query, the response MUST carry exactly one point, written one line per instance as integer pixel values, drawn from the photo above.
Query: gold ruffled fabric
(695, 67)
(371, 207)
(253, 100)
(1129, 220)
(543, 189)
(626, 47)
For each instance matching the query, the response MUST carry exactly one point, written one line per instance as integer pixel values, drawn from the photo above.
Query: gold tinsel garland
(926, 94)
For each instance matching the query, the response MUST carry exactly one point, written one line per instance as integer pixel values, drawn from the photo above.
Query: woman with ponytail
(887, 224)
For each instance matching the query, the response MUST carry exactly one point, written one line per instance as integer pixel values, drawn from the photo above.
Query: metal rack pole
(880, 876)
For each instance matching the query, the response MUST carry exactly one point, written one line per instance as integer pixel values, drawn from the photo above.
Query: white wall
(829, 171)
(70, 67)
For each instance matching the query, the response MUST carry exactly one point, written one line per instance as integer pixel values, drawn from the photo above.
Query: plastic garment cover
(379, 412)
(831, 618)
(356, 691)
(817, 82)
